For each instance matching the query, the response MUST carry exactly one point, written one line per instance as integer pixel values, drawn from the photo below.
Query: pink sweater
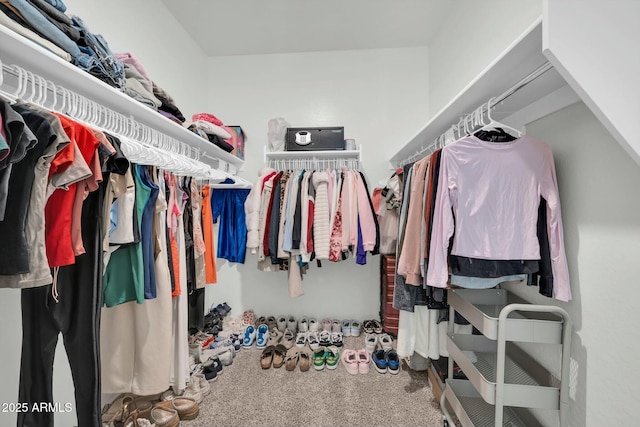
(494, 190)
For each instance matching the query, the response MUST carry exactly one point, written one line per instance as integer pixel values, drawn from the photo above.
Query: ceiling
(249, 27)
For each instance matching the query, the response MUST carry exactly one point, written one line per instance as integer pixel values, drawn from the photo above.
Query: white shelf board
(18, 50)
(328, 154)
(522, 57)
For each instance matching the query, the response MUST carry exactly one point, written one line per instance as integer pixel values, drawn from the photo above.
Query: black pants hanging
(77, 316)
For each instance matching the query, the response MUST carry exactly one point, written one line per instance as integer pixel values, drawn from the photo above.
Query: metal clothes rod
(449, 134)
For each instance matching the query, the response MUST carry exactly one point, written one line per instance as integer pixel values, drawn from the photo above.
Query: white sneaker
(314, 341)
(193, 391)
(303, 324)
(292, 324)
(386, 342)
(301, 339)
(371, 340)
(313, 324)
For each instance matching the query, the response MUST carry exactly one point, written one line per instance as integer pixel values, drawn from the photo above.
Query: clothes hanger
(496, 131)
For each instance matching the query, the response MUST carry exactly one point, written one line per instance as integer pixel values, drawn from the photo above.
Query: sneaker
(193, 391)
(379, 359)
(370, 340)
(319, 359)
(263, 336)
(249, 336)
(332, 357)
(346, 327)
(303, 324)
(350, 361)
(326, 324)
(386, 342)
(363, 361)
(292, 324)
(393, 362)
(205, 388)
(336, 325)
(368, 326)
(210, 373)
(377, 326)
(301, 339)
(287, 339)
(313, 324)
(325, 338)
(225, 342)
(281, 323)
(355, 328)
(260, 320)
(314, 341)
(226, 357)
(336, 339)
(212, 364)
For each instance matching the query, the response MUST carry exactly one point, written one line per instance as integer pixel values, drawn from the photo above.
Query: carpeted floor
(247, 395)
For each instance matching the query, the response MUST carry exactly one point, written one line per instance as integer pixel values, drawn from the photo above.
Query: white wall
(598, 184)
(175, 62)
(472, 35)
(379, 96)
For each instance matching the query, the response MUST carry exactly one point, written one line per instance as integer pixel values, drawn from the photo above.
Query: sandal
(377, 327)
(279, 356)
(267, 357)
(292, 361)
(305, 362)
(274, 337)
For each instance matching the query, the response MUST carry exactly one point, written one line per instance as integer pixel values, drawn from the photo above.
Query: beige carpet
(247, 395)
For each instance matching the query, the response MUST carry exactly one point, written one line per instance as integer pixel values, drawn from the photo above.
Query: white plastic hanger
(494, 124)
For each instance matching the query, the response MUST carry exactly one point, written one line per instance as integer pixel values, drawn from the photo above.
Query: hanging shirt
(493, 190)
(145, 185)
(59, 214)
(211, 275)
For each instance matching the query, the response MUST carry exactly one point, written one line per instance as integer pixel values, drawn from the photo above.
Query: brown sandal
(279, 356)
(292, 361)
(267, 357)
(305, 362)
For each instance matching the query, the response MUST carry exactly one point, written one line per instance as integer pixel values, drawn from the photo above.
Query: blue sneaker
(393, 362)
(249, 336)
(263, 336)
(379, 358)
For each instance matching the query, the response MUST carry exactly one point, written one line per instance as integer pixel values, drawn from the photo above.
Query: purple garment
(361, 254)
(170, 117)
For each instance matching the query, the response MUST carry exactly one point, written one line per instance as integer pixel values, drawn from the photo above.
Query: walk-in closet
(326, 213)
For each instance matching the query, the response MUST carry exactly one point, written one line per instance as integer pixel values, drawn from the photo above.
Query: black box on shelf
(315, 139)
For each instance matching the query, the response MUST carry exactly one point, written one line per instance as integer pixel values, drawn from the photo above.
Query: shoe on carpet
(325, 338)
(301, 339)
(336, 339)
(266, 358)
(355, 328)
(186, 408)
(368, 326)
(332, 357)
(363, 361)
(193, 392)
(288, 340)
(326, 324)
(274, 337)
(377, 326)
(205, 388)
(272, 323)
(292, 324)
(313, 324)
(303, 324)
(249, 336)
(336, 325)
(393, 362)
(386, 342)
(282, 323)
(346, 327)
(292, 360)
(263, 336)
(260, 320)
(165, 417)
(304, 361)
(314, 342)
(319, 358)
(379, 359)
(279, 356)
(370, 342)
(350, 361)
(226, 356)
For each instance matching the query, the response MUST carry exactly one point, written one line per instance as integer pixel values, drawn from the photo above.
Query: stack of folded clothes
(45, 22)
(210, 127)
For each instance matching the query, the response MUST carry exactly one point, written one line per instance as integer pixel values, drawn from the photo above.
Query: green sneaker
(332, 357)
(319, 358)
